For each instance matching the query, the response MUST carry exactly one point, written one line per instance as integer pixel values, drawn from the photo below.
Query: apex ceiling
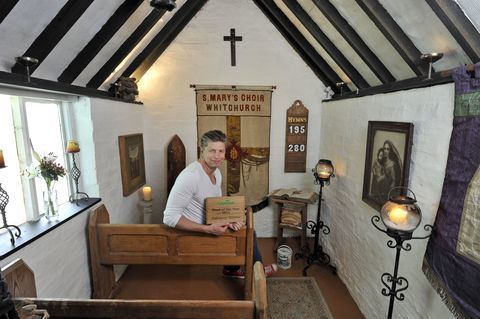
(363, 43)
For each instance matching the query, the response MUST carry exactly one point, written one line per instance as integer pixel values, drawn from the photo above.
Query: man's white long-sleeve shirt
(188, 194)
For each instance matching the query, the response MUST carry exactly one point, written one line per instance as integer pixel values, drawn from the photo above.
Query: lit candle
(147, 193)
(73, 147)
(2, 160)
(398, 216)
(324, 174)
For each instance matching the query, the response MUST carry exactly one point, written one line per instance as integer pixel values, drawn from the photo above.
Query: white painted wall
(62, 254)
(59, 260)
(200, 56)
(357, 249)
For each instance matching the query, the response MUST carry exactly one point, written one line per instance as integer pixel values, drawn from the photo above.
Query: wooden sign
(296, 138)
(225, 209)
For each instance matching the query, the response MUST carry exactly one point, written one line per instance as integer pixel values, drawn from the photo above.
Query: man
(201, 179)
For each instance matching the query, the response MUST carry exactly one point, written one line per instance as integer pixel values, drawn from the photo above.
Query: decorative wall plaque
(296, 138)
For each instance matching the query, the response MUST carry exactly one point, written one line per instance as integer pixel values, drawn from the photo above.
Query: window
(27, 122)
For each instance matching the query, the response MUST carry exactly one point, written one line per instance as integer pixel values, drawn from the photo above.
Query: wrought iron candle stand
(3, 203)
(322, 172)
(401, 216)
(75, 172)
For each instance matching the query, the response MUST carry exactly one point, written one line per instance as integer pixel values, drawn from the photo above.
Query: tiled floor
(206, 282)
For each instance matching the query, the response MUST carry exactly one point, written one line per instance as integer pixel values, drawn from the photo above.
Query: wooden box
(225, 209)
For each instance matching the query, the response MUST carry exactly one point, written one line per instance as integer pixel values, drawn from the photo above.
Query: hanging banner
(452, 259)
(243, 113)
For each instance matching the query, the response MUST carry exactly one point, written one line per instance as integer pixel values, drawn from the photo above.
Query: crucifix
(232, 38)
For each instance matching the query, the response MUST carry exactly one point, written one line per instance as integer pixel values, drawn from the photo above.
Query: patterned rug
(296, 298)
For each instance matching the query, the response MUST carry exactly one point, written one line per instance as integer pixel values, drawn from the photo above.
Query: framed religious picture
(387, 161)
(132, 162)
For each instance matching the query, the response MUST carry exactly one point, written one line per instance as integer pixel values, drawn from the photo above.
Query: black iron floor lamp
(322, 172)
(401, 216)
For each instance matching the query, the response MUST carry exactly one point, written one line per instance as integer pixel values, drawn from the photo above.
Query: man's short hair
(212, 136)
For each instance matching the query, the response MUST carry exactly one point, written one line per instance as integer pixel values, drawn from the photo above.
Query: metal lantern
(401, 213)
(323, 170)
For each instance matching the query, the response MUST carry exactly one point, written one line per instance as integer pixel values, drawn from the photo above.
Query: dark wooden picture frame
(132, 162)
(387, 162)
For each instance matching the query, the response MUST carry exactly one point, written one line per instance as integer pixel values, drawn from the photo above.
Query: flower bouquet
(50, 172)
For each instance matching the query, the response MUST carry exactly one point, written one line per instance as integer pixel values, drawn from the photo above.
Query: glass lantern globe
(324, 169)
(401, 213)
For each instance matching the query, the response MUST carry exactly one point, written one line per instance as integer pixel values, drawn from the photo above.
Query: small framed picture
(387, 161)
(132, 162)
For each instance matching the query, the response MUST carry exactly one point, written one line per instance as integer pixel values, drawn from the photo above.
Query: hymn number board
(296, 138)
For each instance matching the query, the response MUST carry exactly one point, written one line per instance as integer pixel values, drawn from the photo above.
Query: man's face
(214, 154)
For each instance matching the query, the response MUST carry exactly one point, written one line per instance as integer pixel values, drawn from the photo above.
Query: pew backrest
(129, 244)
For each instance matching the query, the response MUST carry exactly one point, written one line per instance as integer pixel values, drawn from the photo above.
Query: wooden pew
(130, 244)
(151, 244)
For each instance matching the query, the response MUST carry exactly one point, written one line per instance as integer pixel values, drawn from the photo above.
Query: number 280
(296, 147)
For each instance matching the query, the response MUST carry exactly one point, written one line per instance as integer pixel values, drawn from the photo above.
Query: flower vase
(50, 204)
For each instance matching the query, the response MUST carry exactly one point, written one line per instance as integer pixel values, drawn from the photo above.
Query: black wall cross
(232, 38)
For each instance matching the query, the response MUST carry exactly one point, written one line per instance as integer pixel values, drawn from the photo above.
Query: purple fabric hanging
(452, 262)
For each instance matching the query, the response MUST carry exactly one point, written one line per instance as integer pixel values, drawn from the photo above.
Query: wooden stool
(300, 207)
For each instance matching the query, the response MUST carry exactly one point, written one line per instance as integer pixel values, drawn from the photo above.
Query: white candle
(147, 193)
(2, 160)
(398, 216)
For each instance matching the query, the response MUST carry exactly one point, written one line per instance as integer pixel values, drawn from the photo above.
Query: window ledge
(33, 230)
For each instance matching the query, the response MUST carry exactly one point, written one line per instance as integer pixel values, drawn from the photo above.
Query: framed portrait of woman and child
(387, 162)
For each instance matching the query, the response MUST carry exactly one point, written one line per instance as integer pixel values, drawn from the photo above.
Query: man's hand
(216, 229)
(236, 226)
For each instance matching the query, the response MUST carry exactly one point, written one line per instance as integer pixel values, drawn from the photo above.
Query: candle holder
(3, 203)
(27, 62)
(322, 172)
(75, 172)
(401, 216)
(146, 209)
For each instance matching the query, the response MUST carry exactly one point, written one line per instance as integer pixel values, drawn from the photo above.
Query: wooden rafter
(19, 80)
(394, 34)
(327, 44)
(53, 33)
(407, 84)
(324, 72)
(458, 25)
(114, 23)
(125, 48)
(5, 7)
(162, 40)
(352, 37)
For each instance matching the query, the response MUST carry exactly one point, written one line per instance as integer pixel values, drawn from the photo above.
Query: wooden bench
(112, 244)
(140, 244)
(21, 283)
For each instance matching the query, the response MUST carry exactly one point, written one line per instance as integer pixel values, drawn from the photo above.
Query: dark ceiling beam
(53, 33)
(328, 45)
(464, 32)
(125, 48)
(402, 85)
(107, 31)
(20, 80)
(308, 53)
(352, 37)
(395, 35)
(5, 7)
(162, 40)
